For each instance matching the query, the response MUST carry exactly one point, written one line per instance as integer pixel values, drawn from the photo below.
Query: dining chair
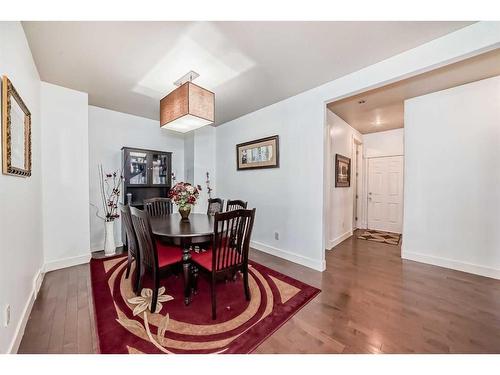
(158, 206)
(235, 204)
(229, 252)
(156, 256)
(132, 247)
(215, 205)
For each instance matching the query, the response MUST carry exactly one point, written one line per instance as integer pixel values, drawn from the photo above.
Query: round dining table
(198, 229)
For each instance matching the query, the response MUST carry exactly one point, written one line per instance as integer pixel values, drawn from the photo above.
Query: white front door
(385, 194)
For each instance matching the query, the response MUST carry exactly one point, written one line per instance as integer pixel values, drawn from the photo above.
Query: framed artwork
(16, 132)
(257, 154)
(342, 171)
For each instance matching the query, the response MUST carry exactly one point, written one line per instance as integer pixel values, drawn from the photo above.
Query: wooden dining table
(198, 229)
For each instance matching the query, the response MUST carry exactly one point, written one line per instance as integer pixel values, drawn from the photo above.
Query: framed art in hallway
(342, 171)
(258, 154)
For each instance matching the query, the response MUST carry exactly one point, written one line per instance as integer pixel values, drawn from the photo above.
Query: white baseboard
(37, 282)
(21, 326)
(295, 258)
(67, 262)
(332, 243)
(93, 249)
(452, 264)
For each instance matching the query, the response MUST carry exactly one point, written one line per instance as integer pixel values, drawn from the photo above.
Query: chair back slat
(147, 245)
(129, 230)
(158, 206)
(232, 231)
(215, 205)
(235, 204)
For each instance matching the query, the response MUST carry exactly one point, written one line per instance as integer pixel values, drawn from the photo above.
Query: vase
(185, 211)
(109, 239)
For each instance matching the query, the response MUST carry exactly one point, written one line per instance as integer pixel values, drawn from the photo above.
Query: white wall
(199, 158)
(65, 181)
(452, 178)
(204, 161)
(20, 209)
(340, 200)
(290, 199)
(109, 131)
(188, 158)
(387, 143)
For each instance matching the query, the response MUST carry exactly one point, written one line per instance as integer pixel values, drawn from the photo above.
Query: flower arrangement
(209, 189)
(110, 184)
(184, 194)
(109, 189)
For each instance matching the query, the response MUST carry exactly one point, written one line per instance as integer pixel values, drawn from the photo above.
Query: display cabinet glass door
(137, 168)
(160, 169)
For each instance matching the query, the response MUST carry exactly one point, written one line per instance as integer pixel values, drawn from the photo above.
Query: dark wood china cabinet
(147, 174)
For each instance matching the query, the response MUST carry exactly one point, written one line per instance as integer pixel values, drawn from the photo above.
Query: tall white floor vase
(109, 241)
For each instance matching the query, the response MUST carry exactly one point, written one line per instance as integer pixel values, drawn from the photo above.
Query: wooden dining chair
(155, 256)
(215, 205)
(158, 206)
(236, 204)
(229, 252)
(132, 246)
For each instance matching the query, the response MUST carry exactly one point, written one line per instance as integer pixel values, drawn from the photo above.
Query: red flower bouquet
(184, 194)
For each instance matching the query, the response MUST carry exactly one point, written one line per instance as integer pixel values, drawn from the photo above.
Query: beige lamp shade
(187, 108)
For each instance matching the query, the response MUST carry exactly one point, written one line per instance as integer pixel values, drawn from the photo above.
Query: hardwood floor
(62, 319)
(371, 302)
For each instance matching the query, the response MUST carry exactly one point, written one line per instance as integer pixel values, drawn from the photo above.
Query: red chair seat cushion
(204, 259)
(168, 254)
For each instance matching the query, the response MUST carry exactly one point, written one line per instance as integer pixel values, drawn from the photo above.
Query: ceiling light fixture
(188, 107)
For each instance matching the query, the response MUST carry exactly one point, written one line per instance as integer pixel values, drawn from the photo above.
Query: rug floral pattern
(125, 323)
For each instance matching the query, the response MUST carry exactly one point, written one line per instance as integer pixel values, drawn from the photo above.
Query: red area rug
(125, 324)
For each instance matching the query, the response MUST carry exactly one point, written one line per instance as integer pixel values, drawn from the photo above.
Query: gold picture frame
(258, 154)
(16, 132)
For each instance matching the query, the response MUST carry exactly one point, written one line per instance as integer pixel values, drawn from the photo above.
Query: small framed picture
(342, 171)
(257, 154)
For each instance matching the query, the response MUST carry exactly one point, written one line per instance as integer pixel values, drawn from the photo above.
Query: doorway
(385, 194)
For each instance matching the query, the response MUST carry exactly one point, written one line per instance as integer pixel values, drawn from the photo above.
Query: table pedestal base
(186, 264)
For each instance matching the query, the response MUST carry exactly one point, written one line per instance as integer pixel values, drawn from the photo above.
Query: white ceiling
(383, 108)
(130, 66)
